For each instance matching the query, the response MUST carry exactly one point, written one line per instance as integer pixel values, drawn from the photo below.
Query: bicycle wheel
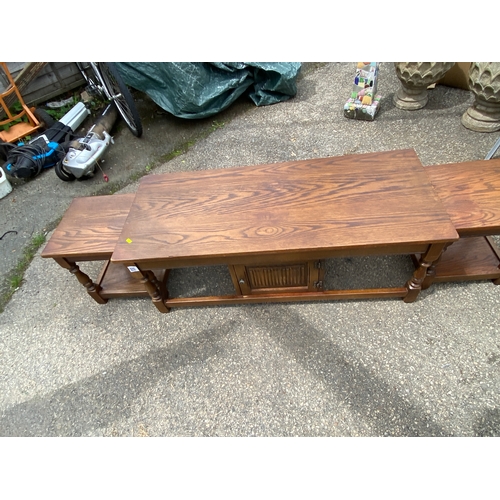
(88, 73)
(119, 93)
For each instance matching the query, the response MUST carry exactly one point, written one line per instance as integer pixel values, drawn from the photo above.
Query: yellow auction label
(128, 240)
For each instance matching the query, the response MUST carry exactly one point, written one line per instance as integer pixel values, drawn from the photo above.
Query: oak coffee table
(273, 224)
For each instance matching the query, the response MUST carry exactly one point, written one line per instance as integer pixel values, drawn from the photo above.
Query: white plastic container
(5, 187)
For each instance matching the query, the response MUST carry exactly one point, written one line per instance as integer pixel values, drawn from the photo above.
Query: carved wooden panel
(277, 276)
(297, 277)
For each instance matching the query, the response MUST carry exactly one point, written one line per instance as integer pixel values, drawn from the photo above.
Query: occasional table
(273, 224)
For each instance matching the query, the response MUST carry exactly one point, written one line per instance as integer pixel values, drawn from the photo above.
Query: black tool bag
(25, 161)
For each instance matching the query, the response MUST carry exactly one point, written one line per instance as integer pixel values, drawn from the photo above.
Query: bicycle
(104, 80)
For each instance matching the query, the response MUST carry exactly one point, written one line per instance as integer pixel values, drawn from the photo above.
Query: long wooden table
(273, 224)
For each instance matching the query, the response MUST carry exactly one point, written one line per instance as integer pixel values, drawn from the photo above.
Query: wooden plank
(381, 293)
(280, 258)
(470, 192)
(493, 246)
(468, 259)
(54, 79)
(90, 228)
(39, 82)
(358, 202)
(22, 81)
(116, 281)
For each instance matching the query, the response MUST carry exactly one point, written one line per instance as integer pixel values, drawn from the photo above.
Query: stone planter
(415, 77)
(484, 82)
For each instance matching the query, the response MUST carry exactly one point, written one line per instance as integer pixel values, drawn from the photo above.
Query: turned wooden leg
(154, 280)
(424, 274)
(92, 288)
(162, 285)
(431, 271)
(152, 286)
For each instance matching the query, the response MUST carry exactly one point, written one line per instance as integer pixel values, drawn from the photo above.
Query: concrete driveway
(71, 367)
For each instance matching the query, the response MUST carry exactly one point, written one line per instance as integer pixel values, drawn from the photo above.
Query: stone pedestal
(484, 82)
(415, 77)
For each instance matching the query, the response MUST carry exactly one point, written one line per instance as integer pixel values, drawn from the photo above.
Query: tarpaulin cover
(199, 90)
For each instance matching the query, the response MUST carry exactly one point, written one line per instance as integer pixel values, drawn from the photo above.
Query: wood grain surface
(90, 228)
(369, 202)
(469, 259)
(116, 281)
(470, 192)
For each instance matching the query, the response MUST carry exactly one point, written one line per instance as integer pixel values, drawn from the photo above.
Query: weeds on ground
(15, 278)
(15, 109)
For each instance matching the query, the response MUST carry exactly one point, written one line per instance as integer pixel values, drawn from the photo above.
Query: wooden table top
(368, 202)
(90, 228)
(470, 192)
